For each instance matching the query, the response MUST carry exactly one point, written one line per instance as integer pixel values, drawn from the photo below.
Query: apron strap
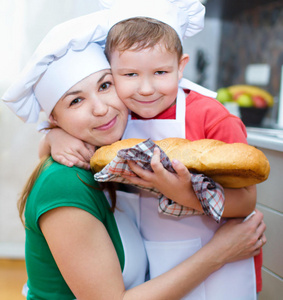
(187, 84)
(181, 105)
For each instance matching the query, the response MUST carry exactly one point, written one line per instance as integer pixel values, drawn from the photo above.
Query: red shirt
(207, 118)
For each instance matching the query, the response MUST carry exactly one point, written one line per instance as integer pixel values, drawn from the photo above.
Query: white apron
(127, 216)
(170, 240)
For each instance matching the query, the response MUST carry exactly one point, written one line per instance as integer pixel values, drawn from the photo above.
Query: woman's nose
(99, 107)
(146, 87)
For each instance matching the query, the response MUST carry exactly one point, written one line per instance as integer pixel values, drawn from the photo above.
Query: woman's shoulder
(58, 186)
(55, 174)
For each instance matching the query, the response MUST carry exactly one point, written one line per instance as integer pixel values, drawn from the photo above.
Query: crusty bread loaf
(232, 165)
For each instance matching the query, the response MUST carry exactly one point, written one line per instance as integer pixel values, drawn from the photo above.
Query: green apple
(223, 95)
(245, 100)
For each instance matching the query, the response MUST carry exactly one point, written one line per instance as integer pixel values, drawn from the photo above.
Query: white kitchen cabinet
(270, 202)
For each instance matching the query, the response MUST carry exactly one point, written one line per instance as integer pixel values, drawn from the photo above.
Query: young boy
(146, 70)
(147, 67)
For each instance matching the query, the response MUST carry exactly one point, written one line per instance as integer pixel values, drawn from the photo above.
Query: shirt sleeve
(207, 118)
(67, 187)
(230, 129)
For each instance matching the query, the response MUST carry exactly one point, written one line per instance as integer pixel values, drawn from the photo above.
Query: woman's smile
(108, 125)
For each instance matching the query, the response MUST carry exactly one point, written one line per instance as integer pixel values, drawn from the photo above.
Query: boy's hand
(175, 186)
(68, 150)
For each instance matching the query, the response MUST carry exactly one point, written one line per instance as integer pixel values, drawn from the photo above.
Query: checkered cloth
(209, 193)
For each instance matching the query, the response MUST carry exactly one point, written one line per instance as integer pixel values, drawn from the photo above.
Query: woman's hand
(68, 150)
(240, 240)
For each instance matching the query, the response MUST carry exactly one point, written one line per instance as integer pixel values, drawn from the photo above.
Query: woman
(75, 246)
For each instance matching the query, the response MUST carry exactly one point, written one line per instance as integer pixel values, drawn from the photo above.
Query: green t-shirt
(59, 186)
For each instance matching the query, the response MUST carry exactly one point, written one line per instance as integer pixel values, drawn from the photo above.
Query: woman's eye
(76, 101)
(104, 86)
(160, 72)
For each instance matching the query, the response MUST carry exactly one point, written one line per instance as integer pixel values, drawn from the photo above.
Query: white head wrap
(65, 72)
(185, 16)
(65, 56)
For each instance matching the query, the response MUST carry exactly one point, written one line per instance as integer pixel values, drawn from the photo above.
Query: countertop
(266, 138)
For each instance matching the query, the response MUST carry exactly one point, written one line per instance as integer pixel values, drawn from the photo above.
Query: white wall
(207, 40)
(23, 23)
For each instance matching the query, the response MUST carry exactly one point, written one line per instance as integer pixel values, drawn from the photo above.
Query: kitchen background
(236, 35)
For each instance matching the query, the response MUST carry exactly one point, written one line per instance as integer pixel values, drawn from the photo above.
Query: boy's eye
(160, 72)
(76, 101)
(131, 74)
(105, 86)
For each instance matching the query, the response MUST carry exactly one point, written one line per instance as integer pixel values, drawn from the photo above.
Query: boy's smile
(147, 80)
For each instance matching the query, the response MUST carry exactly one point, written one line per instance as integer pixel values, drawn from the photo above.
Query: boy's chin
(149, 115)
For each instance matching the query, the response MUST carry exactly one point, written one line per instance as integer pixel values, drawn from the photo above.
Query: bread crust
(232, 165)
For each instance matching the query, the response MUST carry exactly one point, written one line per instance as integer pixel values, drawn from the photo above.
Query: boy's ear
(182, 64)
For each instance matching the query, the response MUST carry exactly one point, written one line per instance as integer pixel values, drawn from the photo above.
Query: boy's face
(147, 80)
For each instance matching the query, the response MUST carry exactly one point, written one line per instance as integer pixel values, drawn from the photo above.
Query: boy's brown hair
(141, 33)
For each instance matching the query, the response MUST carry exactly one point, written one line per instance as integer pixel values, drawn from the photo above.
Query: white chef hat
(66, 55)
(185, 16)
(65, 72)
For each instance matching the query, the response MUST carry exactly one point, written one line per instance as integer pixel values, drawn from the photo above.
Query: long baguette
(232, 165)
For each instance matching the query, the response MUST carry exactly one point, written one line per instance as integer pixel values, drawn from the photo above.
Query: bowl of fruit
(253, 102)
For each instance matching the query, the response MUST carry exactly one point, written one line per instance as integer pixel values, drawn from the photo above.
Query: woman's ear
(52, 120)
(182, 64)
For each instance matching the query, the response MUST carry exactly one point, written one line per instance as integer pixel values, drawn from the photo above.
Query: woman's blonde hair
(141, 33)
(21, 204)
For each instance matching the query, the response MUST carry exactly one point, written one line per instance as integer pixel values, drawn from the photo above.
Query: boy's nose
(146, 87)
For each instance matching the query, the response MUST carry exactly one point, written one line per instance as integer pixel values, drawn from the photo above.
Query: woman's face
(91, 110)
